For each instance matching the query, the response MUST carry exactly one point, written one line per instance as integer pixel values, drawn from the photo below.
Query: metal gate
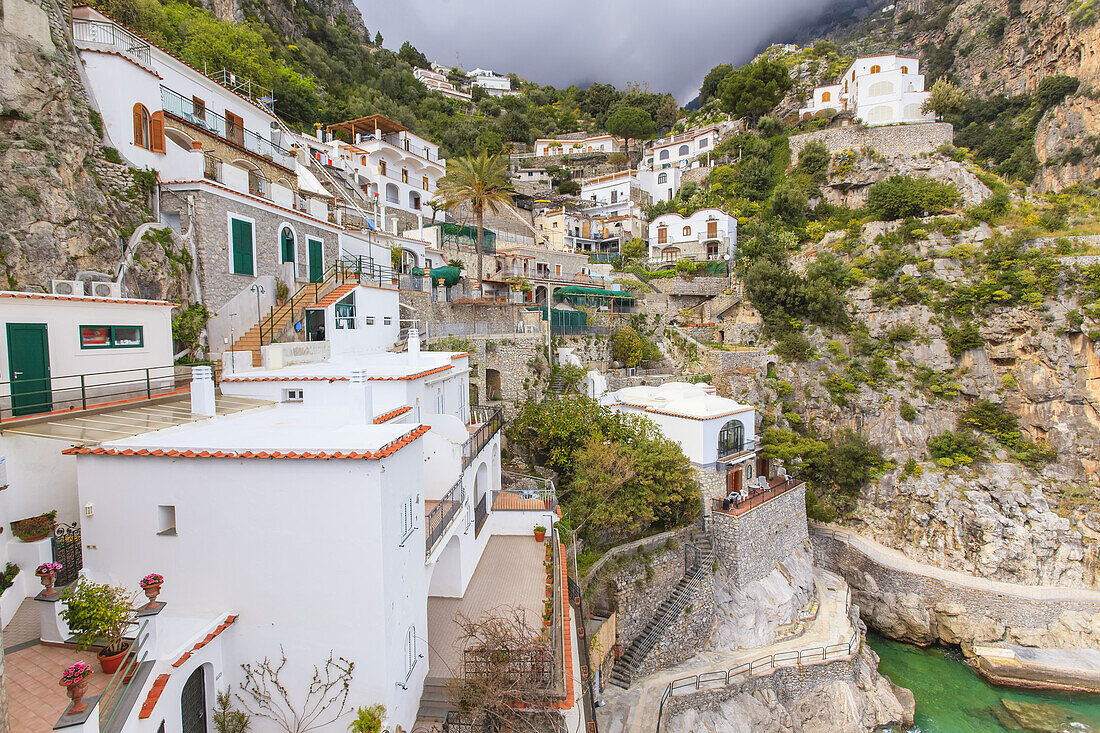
(67, 551)
(193, 703)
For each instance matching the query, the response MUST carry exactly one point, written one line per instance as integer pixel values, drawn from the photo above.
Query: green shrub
(626, 346)
(959, 340)
(794, 346)
(111, 154)
(949, 448)
(899, 197)
(901, 332)
(907, 412)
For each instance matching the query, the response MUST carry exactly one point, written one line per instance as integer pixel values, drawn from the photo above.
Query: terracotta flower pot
(540, 536)
(111, 662)
(47, 583)
(75, 693)
(151, 592)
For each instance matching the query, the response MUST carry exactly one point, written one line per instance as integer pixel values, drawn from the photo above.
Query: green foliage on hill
(899, 197)
(618, 474)
(330, 72)
(754, 89)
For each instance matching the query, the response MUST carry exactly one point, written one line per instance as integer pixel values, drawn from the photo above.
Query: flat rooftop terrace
(510, 573)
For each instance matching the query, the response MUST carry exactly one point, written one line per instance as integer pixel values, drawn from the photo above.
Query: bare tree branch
(265, 696)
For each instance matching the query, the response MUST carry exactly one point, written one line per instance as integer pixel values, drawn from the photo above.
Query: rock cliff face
(286, 15)
(63, 205)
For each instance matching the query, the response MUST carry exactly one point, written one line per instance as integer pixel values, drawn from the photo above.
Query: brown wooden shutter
(139, 138)
(156, 132)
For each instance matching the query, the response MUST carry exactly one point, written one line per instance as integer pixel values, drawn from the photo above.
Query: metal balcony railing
(101, 33)
(442, 515)
(489, 421)
(185, 109)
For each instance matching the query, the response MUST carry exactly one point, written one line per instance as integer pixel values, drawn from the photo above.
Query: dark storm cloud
(667, 44)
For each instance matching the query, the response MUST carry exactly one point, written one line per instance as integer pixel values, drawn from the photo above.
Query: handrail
(439, 519)
(111, 34)
(755, 668)
(110, 702)
(755, 498)
(180, 106)
(492, 421)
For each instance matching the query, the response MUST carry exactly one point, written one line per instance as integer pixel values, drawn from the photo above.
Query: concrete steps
(435, 702)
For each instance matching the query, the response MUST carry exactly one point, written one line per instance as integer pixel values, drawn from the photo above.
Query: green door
(29, 367)
(316, 261)
(242, 247)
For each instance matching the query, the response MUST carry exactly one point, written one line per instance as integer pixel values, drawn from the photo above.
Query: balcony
(738, 503)
(104, 36)
(184, 109)
(485, 423)
(439, 515)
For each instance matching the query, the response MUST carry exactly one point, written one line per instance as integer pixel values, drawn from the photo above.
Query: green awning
(592, 296)
(562, 317)
(449, 275)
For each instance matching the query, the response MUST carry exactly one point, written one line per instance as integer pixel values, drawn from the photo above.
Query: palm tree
(480, 182)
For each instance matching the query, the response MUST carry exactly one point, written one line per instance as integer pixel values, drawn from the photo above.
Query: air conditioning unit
(67, 287)
(106, 289)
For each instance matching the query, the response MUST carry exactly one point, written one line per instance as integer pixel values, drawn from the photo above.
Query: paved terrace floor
(35, 698)
(510, 573)
(635, 710)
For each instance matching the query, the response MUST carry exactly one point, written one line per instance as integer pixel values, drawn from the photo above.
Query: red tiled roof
(405, 378)
(229, 620)
(86, 298)
(459, 356)
(335, 295)
(387, 450)
(154, 695)
(688, 417)
(387, 416)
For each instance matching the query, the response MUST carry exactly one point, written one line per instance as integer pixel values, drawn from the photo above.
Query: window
(712, 229)
(369, 320)
(107, 337)
(293, 395)
(286, 242)
(826, 96)
(662, 178)
(408, 514)
(387, 321)
(198, 108)
(166, 520)
(148, 129)
(662, 235)
(557, 270)
(614, 197)
(362, 160)
(234, 128)
(876, 69)
(404, 175)
(712, 250)
(424, 183)
(663, 155)
(242, 246)
(382, 167)
(905, 69)
(687, 231)
(410, 651)
(731, 438)
(704, 142)
(684, 150)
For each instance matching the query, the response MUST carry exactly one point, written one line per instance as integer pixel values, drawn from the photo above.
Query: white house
(708, 234)
(574, 145)
(392, 165)
(492, 82)
(678, 151)
(437, 82)
(877, 90)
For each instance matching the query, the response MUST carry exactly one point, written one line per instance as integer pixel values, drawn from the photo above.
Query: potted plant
(100, 613)
(368, 719)
(540, 533)
(151, 584)
(47, 572)
(75, 681)
(33, 529)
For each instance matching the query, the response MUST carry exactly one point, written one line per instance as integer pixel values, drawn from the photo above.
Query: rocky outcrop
(1066, 144)
(858, 700)
(853, 176)
(63, 205)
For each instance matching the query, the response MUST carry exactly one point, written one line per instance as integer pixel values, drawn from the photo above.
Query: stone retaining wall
(922, 609)
(643, 585)
(888, 140)
(688, 633)
(753, 543)
(698, 285)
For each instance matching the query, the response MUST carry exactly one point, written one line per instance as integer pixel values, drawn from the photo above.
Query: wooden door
(29, 367)
(316, 261)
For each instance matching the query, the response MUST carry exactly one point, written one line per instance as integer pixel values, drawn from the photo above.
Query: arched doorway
(492, 384)
(731, 438)
(482, 501)
(446, 578)
(193, 703)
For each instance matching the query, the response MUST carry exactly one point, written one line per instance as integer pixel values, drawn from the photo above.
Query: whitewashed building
(495, 84)
(579, 144)
(678, 151)
(708, 234)
(437, 82)
(877, 90)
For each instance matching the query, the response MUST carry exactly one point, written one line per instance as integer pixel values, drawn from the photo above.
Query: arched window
(286, 243)
(684, 150)
(687, 231)
(876, 69)
(880, 89)
(662, 178)
(664, 154)
(731, 438)
(826, 96)
(905, 69)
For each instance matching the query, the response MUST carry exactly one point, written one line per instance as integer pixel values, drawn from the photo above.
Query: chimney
(414, 346)
(363, 399)
(202, 391)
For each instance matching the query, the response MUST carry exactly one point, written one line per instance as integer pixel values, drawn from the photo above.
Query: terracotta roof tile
(405, 378)
(387, 450)
(229, 620)
(86, 299)
(387, 416)
(335, 295)
(154, 695)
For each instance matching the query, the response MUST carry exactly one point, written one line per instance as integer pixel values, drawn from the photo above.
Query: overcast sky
(668, 44)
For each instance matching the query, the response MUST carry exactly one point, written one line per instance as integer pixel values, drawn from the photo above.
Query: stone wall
(688, 633)
(698, 285)
(643, 583)
(888, 140)
(510, 356)
(746, 362)
(712, 485)
(753, 543)
(921, 609)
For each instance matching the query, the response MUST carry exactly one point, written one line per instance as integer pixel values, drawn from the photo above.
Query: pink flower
(48, 567)
(151, 579)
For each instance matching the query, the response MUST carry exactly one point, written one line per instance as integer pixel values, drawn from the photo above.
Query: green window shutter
(288, 245)
(242, 247)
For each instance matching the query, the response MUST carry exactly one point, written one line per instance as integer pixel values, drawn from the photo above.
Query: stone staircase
(308, 296)
(715, 308)
(435, 702)
(622, 675)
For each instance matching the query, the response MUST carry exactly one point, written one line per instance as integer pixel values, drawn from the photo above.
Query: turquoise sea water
(952, 698)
